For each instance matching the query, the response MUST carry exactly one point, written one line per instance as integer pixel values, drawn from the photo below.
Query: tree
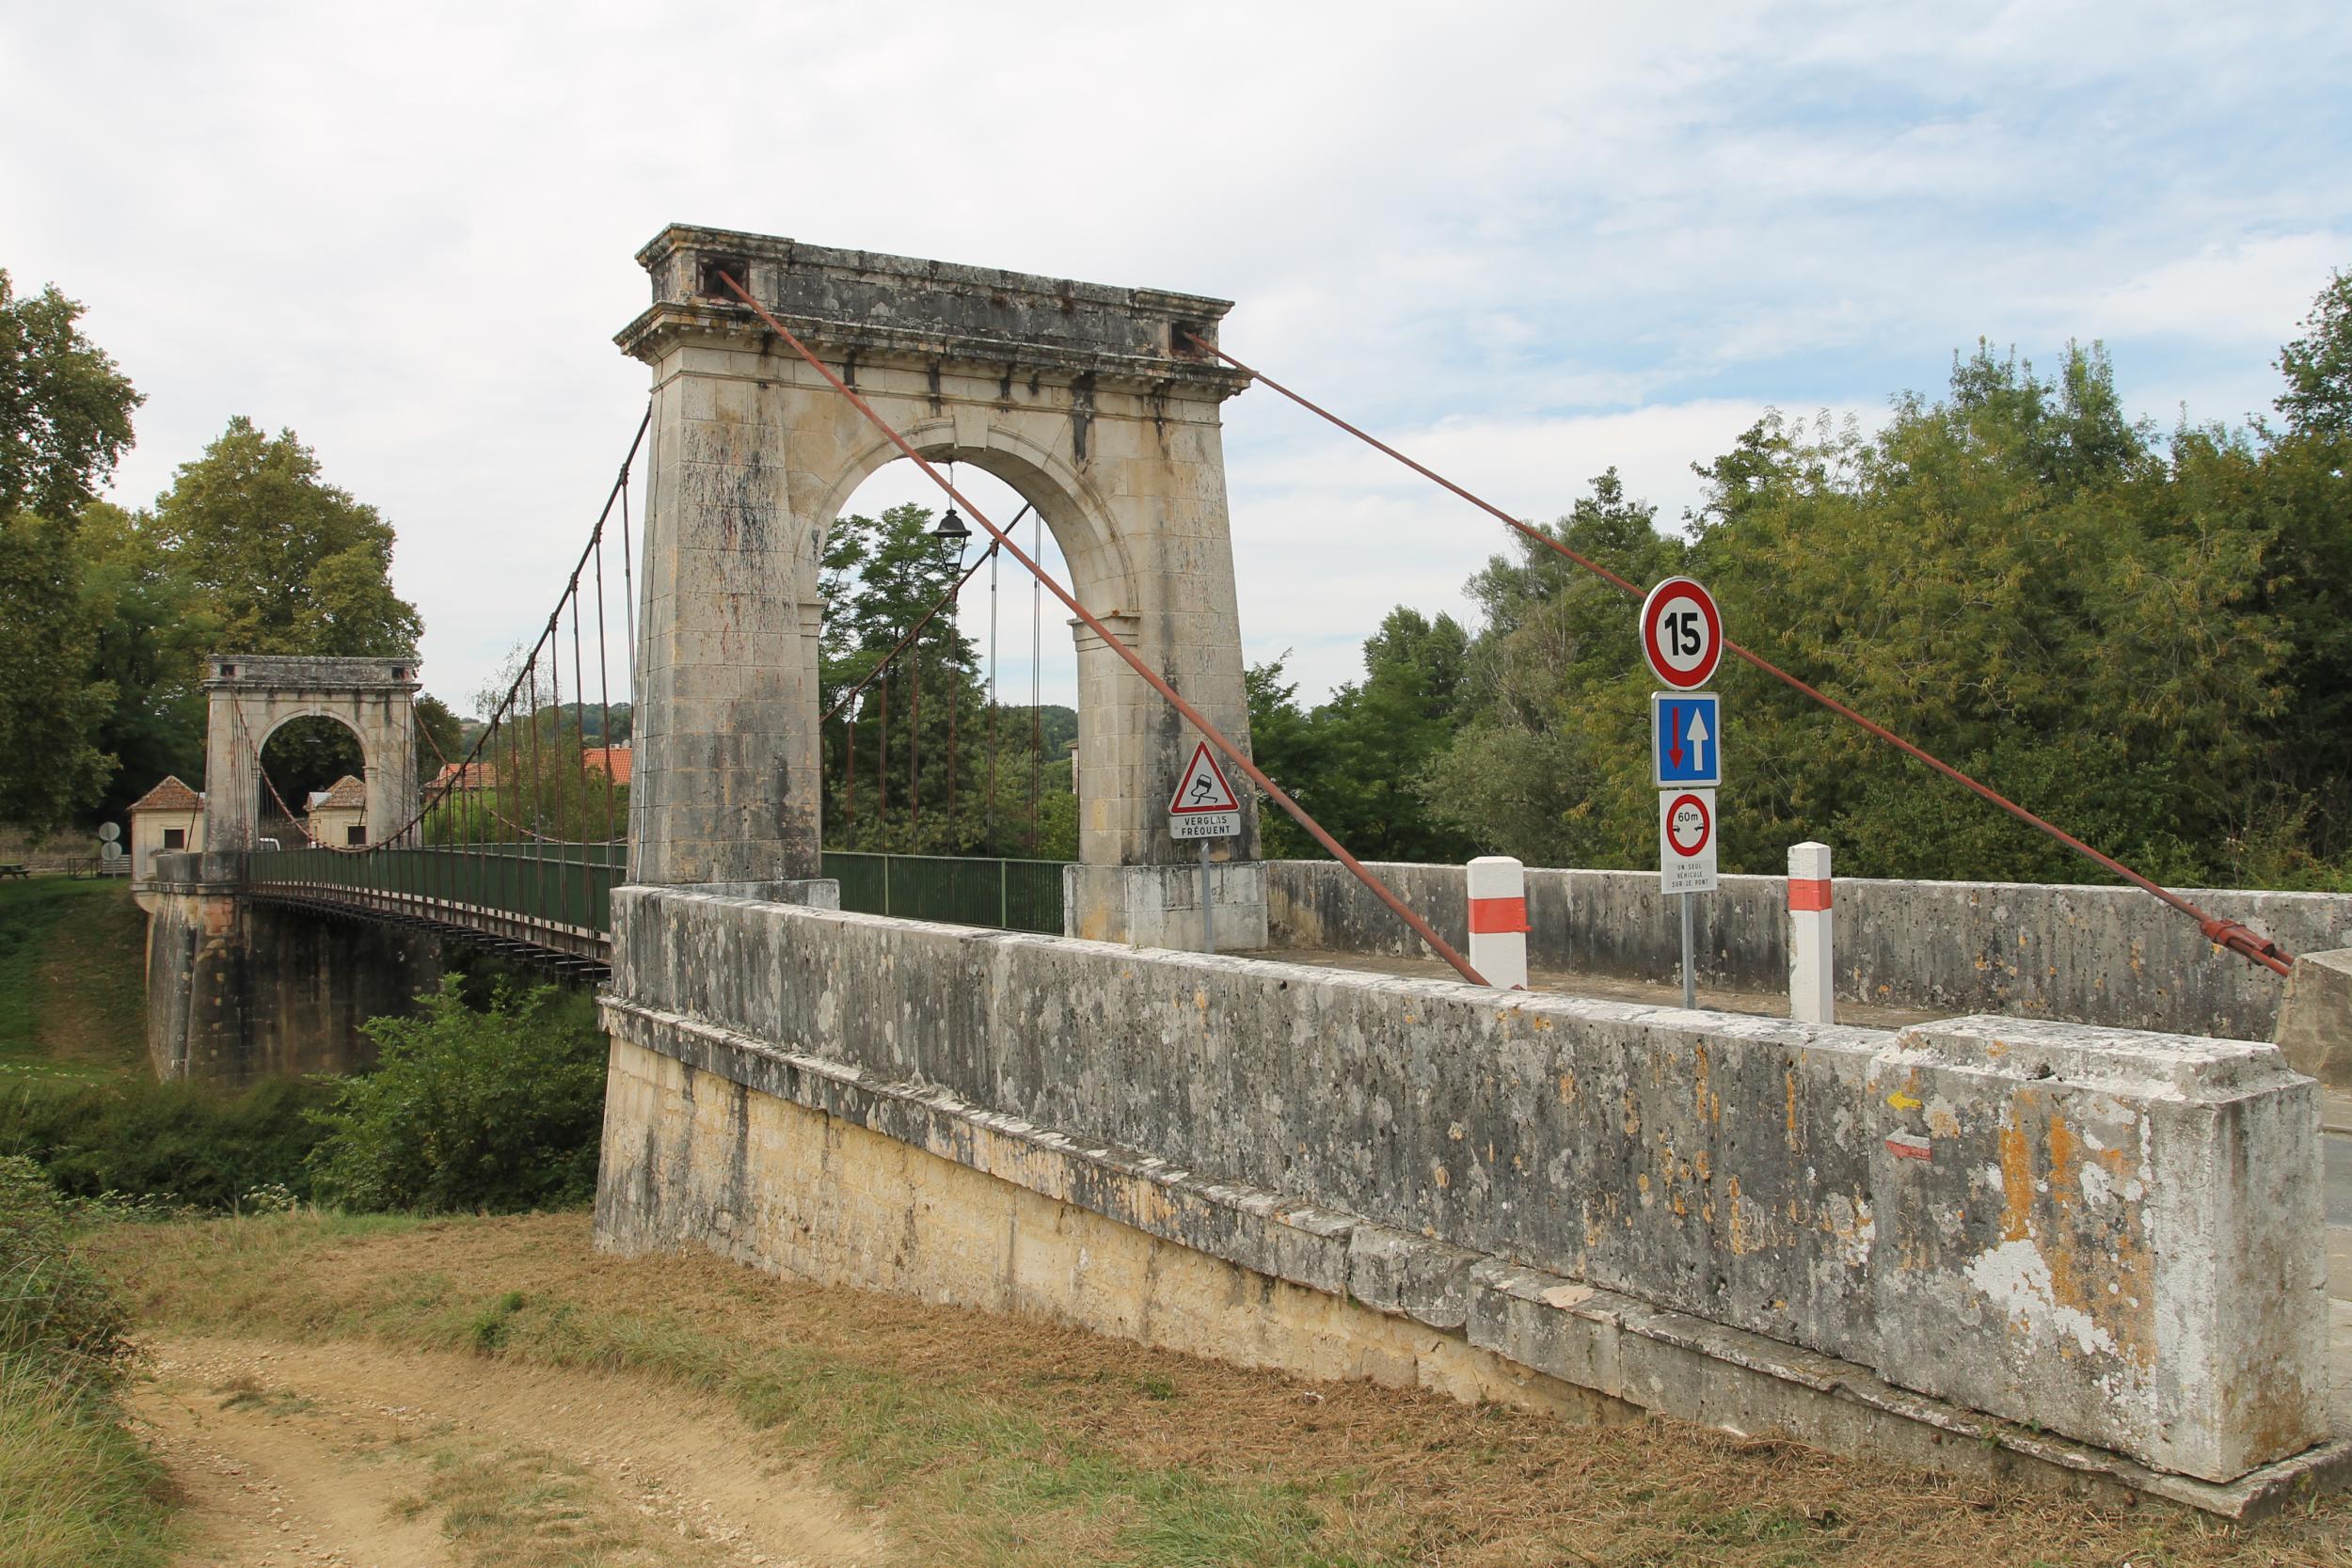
(65, 409)
(2015, 576)
(64, 418)
(881, 576)
(1354, 762)
(1283, 742)
(2318, 365)
(1550, 763)
(51, 765)
(2015, 580)
(289, 564)
(470, 1111)
(440, 734)
(151, 632)
(265, 557)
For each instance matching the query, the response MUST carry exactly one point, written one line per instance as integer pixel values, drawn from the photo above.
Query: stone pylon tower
(1087, 400)
(249, 696)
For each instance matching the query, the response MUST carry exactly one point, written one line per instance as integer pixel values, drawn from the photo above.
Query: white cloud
(408, 233)
(2249, 293)
(1328, 534)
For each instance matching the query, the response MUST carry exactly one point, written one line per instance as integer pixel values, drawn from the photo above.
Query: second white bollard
(1498, 921)
(1812, 969)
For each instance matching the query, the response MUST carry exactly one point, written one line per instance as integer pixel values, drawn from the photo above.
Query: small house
(338, 814)
(168, 819)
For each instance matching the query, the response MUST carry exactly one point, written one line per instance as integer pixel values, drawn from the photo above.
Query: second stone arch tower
(1090, 401)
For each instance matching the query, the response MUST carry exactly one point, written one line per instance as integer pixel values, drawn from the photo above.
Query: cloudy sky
(1526, 241)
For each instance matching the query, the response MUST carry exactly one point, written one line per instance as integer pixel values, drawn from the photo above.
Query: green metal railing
(558, 889)
(1016, 896)
(561, 893)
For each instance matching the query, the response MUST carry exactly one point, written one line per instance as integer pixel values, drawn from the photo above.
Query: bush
(194, 1143)
(77, 1489)
(56, 1313)
(497, 1109)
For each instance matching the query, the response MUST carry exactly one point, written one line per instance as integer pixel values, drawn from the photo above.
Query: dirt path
(350, 1456)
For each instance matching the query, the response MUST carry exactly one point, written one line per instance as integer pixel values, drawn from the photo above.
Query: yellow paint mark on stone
(1902, 1102)
(2016, 1183)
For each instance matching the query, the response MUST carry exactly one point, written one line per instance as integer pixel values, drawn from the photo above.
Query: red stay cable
(1214, 736)
(2228, 933)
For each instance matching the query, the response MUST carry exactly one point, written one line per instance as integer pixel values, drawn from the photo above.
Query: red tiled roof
(171, 794)
(614, 762)
(464, 775)
(344, 794)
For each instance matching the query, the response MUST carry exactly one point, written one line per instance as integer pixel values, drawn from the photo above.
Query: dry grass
(521, 1506)
(989, 1439)
(77, 1489)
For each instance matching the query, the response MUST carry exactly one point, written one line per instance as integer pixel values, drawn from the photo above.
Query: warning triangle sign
(1203, 789)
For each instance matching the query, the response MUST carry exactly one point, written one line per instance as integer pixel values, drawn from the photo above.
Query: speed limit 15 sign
(1682, 633)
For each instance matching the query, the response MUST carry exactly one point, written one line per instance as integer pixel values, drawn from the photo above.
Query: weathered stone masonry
(2100, 955)
(239, 991)
(2114, 1236)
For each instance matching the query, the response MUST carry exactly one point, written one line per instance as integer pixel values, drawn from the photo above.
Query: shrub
(192, 1143)
(54, 1310)
(77, 1489)
(498, 1109)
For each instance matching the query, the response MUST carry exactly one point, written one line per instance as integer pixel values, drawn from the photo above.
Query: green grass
(179, 1143)
(77, 1489)
(72, 981)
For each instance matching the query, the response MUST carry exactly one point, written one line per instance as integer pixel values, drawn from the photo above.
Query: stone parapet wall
(2095, 1232)
(2108, 955)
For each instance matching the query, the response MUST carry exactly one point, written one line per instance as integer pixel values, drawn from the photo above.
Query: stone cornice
(296, 675)
(663, 327)
(926, 315)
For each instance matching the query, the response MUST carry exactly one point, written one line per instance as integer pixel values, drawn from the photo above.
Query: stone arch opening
(967, 744)
(303, 754)
(251, 698)
(1102, 571)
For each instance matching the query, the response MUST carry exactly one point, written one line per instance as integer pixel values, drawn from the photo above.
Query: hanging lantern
(951, 526)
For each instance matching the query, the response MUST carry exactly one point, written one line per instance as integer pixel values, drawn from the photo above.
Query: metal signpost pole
(1690, 979)
(1208, 917)
(1204, 807)
(1682, 640)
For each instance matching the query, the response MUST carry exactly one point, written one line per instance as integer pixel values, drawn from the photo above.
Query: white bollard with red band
(1812, 972)
(1498, 921)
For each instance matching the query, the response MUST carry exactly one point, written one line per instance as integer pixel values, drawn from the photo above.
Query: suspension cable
(2219, 930)
(1199, 720)
(547, 638)
(1037, 684)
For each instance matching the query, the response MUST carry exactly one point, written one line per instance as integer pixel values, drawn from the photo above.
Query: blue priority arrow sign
(1685, 739)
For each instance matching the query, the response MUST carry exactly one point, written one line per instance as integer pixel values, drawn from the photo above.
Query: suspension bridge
(1015, 1066)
